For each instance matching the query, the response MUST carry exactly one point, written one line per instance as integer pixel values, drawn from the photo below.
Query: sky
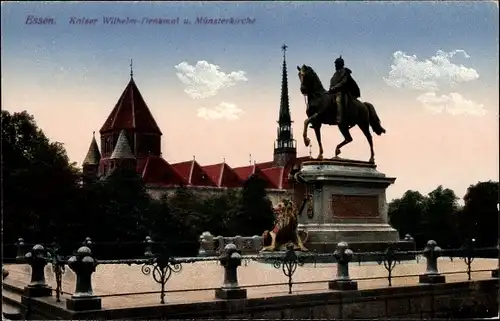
(429, 68)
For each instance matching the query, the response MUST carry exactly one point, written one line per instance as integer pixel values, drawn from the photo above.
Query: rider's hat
(339, 60)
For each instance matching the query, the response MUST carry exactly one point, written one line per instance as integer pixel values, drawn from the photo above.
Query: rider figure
(341, 85)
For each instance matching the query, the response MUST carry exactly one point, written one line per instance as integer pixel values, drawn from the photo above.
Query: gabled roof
(157, 171)
(276, 176)
(131, 112)
(265, 165)
(223, 175)
(246, 171)
(93, 155)
(122, 149)
(194, 174)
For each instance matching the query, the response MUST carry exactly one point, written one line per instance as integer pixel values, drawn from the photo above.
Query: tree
(217, 210)
(254, 214)
(441, 208)
(479, 217)
(406, 214)
(185, 212)
(127, 206)
(40, 183)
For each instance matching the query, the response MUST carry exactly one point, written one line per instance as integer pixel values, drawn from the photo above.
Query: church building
(130, 137)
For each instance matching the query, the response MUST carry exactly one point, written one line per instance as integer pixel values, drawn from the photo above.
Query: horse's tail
(374, 120)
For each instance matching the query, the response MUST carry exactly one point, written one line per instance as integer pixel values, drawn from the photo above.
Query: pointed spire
(284, 116)
(93, 155)
(131, 69)
(122, 148)
(285, 147)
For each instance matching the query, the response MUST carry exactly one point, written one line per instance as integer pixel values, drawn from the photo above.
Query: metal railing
(157, 262)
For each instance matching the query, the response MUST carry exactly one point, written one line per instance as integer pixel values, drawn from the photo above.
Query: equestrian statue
(337, 106)
(285, 230)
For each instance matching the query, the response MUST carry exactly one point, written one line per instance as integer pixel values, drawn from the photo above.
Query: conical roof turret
(122, 149)
(93, 155)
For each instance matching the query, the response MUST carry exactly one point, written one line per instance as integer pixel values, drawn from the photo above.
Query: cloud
(454, 103)
(205, 80)
(430, 74)
(224, 110)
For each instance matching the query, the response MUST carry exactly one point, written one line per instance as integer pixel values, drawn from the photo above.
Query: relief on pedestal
(355, 206)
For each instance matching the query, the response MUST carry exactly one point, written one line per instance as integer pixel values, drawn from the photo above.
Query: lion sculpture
(285, 230)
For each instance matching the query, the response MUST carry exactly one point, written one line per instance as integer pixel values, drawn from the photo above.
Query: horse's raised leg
(344, 130)
(317, 131)
(365, 128)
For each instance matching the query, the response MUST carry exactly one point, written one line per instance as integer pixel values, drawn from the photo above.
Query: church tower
(131, 120)
(285, 147)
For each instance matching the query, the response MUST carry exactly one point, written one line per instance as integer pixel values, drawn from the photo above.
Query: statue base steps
(348, 205)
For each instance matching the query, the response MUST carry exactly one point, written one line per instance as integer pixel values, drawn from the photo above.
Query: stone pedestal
(35, 291)
(431, 278)
(343, 285)
(348, 204)
(84, 303)
(230, 294)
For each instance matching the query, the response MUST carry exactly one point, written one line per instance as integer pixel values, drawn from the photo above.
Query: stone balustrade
(214, 245)
(229, 251)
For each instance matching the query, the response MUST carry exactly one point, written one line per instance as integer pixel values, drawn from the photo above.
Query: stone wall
(478, 298)
(275, 195)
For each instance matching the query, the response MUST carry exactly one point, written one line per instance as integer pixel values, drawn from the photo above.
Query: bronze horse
(320, 110)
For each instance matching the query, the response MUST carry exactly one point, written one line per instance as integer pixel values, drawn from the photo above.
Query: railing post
(431, 253)
(83, 264)
(256, 243)
(206, 244)
(343, 282)
(87, 242)
(494, 273)
(37, 258)
(230, 260)
(148, 251)
(20, 249)
(408, 238)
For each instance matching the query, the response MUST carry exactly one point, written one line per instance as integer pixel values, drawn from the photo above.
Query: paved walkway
(116, 279)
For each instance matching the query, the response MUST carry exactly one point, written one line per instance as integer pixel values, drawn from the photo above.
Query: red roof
(223, 175)
(131, 112)
(275, 175)
(265, 165)
(194, 174)
(156, 170)
(246, 171)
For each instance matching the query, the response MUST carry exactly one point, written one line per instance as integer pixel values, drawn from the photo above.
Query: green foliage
(435, 216)
(128, 206)
(41, 183)
(479, 217)
(254, 213)
(406, 214)
(440, 213)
